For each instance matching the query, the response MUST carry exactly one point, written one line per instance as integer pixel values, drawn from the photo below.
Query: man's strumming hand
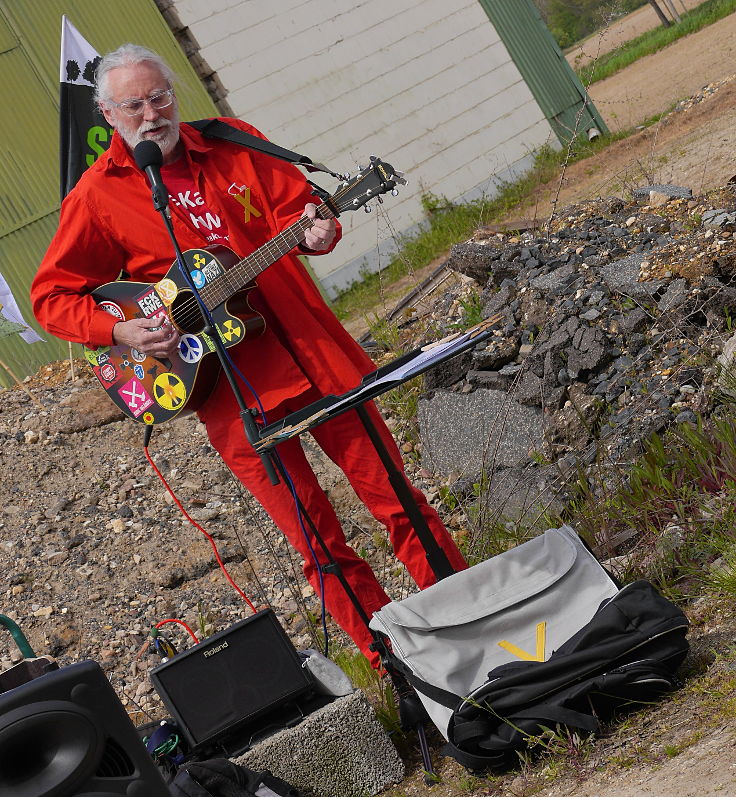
(147, 335)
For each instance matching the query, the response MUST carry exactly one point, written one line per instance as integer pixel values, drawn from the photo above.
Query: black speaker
(233, 682)
(66, 734)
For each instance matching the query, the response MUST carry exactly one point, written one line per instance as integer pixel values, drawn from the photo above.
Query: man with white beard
(223, 194)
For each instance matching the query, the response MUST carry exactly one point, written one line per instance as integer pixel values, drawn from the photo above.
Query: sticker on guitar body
(107, 373)
(135, 396)
(230, 330)
(97, 356)
(169, 391)
(190, 349)
(167, 290)
(151, 305)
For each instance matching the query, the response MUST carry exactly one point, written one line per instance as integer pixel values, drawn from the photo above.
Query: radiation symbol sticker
(167, 290)
(231, 330)
(198, 260)
(169, 391)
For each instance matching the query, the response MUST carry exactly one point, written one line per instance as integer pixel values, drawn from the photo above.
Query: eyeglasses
(157, 101)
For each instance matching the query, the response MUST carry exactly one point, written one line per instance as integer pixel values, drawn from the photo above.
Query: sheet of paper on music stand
(430, 355)
(423, 360)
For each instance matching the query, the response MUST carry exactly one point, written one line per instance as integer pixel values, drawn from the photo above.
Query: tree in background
(572, 20)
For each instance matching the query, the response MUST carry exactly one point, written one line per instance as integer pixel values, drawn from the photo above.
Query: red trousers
(346, 443)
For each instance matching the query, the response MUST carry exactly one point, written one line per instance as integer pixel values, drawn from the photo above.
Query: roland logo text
(217, 649)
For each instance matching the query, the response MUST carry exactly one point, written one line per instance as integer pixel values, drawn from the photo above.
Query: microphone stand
(160, 203)
(412, 711)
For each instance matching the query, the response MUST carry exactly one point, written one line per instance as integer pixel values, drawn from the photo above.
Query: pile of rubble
(612, 319)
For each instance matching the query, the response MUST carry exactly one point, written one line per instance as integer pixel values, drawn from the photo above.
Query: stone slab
(340, 750)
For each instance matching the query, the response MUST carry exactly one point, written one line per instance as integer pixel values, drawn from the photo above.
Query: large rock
(467, 433)
(524, 492)
(482, 262)
(622, 276)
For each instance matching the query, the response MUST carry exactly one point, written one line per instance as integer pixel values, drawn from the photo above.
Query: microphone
(148, 158)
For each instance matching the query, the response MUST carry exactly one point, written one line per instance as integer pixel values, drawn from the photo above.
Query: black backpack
(626, 655)
(219, 777)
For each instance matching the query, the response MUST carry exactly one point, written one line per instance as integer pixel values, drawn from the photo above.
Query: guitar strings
(249, 267)
(190, 311)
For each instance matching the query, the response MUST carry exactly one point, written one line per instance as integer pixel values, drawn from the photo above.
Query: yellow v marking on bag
(522, 654)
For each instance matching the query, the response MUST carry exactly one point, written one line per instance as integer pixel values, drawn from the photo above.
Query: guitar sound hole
(186, 314)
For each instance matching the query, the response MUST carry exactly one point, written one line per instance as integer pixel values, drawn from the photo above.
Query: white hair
(128, 55)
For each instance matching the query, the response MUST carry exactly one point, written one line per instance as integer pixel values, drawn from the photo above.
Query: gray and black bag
(537, 637)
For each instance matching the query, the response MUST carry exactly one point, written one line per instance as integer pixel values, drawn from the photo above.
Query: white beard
(167, 138)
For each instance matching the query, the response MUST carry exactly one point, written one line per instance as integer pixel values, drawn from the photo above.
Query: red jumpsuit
(108, 224)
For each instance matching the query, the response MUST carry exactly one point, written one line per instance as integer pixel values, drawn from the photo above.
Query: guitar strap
(215, 128)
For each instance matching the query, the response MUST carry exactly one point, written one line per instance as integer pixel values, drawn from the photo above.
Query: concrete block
(340, 750)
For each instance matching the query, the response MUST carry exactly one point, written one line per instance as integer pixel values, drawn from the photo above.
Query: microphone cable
(147, 437)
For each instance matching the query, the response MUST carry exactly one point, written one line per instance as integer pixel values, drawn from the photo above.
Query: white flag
(84, 133)
(9, 309)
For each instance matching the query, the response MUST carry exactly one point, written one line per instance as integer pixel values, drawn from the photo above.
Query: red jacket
(108, 224)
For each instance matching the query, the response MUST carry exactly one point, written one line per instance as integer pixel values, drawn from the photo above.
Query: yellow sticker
(167, 290)
(169, 391)
(231, 330)
(148, 418)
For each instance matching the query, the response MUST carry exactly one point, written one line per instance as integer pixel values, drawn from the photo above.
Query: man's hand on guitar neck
(320, 235)
(146, 335)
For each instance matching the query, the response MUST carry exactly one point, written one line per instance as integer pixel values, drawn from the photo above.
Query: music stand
(374, 384)
(387, 377)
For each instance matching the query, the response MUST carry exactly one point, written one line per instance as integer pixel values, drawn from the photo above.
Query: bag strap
(563, 716)
(442, 696)
(216, 128)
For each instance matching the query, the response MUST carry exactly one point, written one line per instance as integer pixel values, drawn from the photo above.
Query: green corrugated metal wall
(30, 32)
(554, 84)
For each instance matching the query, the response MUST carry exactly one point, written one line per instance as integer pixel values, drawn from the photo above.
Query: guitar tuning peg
(394, 192)
(367, 208)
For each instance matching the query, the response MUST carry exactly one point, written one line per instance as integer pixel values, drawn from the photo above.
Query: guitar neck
(246, 270)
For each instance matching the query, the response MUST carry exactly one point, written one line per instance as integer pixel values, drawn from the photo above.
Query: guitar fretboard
(219, 290)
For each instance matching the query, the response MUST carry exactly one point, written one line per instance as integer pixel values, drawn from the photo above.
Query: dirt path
(654, 83)
(621, 31)
(693, 147)
(707, 768)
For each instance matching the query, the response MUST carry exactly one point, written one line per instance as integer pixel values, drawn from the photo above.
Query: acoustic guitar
(151, 390)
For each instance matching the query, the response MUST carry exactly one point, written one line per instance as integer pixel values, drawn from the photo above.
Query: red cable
(181, 622)
(206, 534)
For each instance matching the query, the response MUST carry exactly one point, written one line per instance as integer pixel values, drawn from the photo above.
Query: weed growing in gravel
(672, 509)
(379, 691)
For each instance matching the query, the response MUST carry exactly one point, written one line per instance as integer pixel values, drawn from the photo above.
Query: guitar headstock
(370, 182)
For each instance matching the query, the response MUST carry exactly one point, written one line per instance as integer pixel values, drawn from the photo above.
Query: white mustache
(148, 126)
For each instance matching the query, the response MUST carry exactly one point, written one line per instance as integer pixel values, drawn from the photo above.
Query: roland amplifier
(233, 683)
